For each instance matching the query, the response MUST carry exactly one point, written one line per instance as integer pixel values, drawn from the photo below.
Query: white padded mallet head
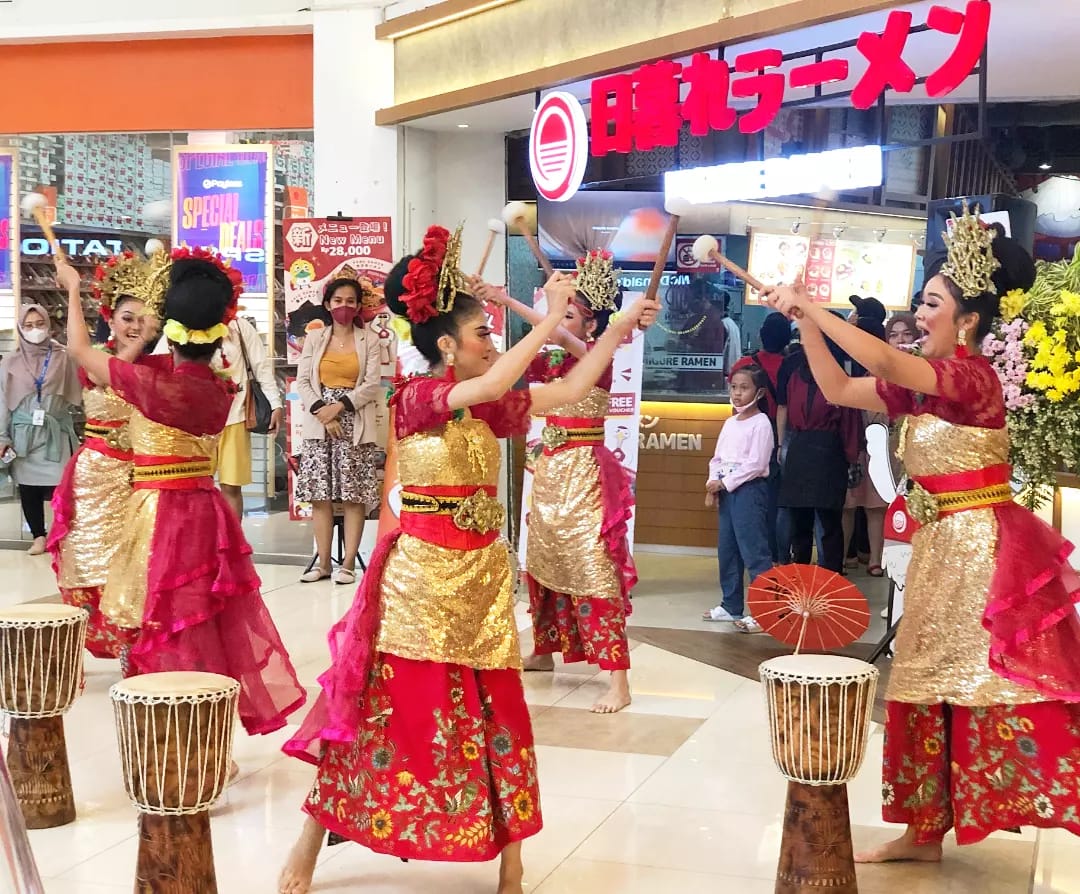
(704, 246)
(153, 246)
(31, 201)
(678, 206)
(515, 211)
(496, 226)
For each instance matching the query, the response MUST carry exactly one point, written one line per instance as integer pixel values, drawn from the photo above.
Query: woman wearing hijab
(39, 387)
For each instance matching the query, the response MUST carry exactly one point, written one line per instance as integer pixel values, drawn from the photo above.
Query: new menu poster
(9, 221)
(835, 269)
(316, 252)
(223, 198)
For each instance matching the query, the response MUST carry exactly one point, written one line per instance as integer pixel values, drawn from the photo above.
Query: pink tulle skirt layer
(204, 611)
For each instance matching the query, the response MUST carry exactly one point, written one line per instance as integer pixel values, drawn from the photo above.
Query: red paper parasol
(807, 606)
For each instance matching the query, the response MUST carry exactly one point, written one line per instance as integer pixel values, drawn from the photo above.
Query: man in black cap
(868, 309)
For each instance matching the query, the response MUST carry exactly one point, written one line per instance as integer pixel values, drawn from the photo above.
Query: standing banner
(223, 198)
(9, 224)
(620, 427)
(316, 252)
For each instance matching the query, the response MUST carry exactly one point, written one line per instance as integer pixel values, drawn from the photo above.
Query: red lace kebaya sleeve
(899, 401)
(969, 392)
(508, 416)
(538, 370)
(421, 404)
(190, 398)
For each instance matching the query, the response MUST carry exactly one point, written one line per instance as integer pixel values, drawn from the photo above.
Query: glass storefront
(111, 192)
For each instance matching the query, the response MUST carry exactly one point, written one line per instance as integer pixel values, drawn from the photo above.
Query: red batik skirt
(442, 766)
(103, 638)
(582, 628)
(981, 770)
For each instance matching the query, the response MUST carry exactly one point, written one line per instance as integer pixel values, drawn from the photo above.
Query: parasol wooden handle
(745, 276)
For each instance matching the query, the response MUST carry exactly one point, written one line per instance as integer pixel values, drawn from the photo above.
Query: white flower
(888, 795)
(1043, 807)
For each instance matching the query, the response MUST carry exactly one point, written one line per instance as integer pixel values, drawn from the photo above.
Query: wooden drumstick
(495, 227)
(515, 214)
(676, 208)
(706, 248)
(34, 203)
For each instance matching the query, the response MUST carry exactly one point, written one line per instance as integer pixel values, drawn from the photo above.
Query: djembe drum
(41, 662)
(819, 716)
(175, 732)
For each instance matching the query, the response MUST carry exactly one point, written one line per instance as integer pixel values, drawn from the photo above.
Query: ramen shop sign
(648, 109)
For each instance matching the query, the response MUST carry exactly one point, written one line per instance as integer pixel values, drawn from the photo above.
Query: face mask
(740, 408)
(344, 315)
(35, 336)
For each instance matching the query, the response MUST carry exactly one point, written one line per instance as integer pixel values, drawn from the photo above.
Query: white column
(356, 163)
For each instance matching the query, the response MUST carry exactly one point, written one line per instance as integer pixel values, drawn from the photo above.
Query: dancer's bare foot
(902, 849)
(539, 663)
(618, 695)
(300, 867)
(511, 870)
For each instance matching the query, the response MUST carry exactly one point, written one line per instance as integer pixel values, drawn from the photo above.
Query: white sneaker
(718, 614)
(344, 576)
(37, 548)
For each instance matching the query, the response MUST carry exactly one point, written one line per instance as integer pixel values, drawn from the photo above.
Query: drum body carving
(819, 718)
(175, 732)
(41, 649)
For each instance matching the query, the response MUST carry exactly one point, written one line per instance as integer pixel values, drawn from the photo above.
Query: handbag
(257, 410)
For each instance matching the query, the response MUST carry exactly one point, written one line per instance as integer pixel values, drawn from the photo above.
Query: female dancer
(577, 563)
(90, 502)
(982, 730)
(421, 735)
(182, 573)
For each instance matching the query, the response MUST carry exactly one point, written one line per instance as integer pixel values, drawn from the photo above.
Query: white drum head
(816, 667)
(173, 684)
(40, 613)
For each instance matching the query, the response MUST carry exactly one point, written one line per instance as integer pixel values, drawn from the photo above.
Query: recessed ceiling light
(463, 126)
(1045, 166)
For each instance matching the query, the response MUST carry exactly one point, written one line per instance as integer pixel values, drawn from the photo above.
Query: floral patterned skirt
(981, 770)
(336, 469)
(103, 638)
(581, 627)
(442, 769)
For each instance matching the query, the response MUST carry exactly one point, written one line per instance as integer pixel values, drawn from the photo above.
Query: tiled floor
(678, 793)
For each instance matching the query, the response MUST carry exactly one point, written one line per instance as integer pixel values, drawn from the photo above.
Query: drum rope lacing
(139, 753)
(48, 669)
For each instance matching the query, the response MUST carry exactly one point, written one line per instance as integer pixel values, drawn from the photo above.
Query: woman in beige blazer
(338, 383)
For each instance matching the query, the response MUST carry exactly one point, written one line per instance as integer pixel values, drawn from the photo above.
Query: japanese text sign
(648, 108)
(223, 198)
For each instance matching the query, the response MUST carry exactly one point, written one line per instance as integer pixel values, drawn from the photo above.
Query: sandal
(748, 625)
(875, 571)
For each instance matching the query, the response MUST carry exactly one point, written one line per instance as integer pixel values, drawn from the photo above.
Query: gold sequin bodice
(464, 452)
(942, 649)
(105, 405)
(149, 438)
(593, 405)
(453, 606)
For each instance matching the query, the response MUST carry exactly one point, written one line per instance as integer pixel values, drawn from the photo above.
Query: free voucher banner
(223, 198)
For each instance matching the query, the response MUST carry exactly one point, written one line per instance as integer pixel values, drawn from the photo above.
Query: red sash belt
(173, 473)
(432, 517)
(101, 437)
(934, 496)
(567, 432)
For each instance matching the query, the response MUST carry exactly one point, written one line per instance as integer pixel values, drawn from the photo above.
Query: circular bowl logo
(558, 146)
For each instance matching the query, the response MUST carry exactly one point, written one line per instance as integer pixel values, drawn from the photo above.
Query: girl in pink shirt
(738, 483)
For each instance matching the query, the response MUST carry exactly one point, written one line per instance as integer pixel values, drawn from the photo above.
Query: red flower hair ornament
(421, 282)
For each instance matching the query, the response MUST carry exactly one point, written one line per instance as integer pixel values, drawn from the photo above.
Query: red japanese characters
(647, 109)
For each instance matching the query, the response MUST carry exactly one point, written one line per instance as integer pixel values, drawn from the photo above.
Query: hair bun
(185, 269)
(1017, 270)
(394, 287)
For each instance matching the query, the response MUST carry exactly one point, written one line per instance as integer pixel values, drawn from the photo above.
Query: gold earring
(448, 359)
(961, 337)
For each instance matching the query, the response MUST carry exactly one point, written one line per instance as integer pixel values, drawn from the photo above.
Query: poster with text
(620, 426)
(9, 222)
(223, 198)
(318, 251)
(835, 269)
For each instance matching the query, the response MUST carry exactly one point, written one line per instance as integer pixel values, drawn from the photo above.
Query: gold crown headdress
(127, 274)
(598, 280)
(971, 262)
